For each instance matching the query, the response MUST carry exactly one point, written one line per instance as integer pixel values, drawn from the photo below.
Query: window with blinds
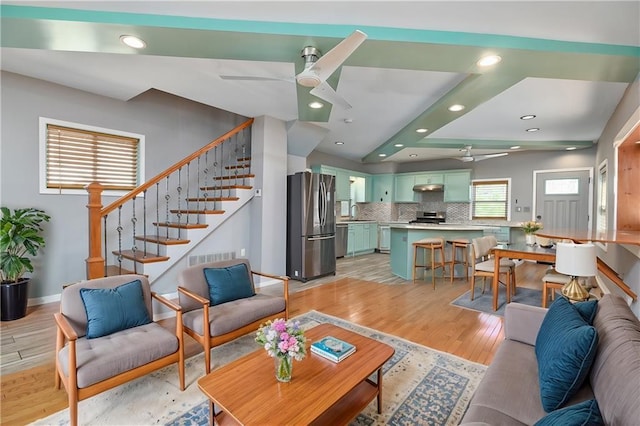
(491, 199)
(77, 157)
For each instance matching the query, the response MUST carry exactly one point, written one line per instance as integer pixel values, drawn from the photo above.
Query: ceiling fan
(467, 157)
(318, 68)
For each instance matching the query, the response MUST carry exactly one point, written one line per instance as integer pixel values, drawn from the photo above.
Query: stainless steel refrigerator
(311, 226)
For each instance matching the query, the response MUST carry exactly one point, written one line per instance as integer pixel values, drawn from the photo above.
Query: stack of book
(333, 349)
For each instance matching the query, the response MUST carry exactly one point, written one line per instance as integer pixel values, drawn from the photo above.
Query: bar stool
(552, 281)
(459, 245)
(431, 244)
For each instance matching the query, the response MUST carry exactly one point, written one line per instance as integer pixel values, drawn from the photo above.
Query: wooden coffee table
(320, 391)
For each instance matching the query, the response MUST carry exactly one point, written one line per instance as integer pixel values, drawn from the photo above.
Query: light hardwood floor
(363, 291)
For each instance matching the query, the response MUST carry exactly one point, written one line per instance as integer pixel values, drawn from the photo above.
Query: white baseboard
(43, 300)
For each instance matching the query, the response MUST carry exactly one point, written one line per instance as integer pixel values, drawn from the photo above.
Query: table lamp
(576, 260)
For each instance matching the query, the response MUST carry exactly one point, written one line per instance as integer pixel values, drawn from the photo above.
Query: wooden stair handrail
(613, 276)
(134, 192)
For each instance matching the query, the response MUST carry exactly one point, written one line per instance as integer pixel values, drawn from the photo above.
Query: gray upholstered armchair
(220, 303)
(106, 336)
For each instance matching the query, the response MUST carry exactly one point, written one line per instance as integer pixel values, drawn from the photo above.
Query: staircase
(156, 224)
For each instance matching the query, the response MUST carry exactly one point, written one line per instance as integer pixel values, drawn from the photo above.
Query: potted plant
(529, 228)
(20, 236)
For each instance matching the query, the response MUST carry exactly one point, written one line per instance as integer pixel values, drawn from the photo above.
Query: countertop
(442, 226)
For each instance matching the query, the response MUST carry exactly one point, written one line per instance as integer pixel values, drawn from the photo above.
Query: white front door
(563, 199)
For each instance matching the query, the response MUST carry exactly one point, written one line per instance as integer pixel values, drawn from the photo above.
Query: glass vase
(284, 366)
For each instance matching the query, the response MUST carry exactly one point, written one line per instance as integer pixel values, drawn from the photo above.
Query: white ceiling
(385, 99)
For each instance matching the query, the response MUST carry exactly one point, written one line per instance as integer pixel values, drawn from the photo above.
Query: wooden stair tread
(214, 199)
(209, 188)
(244, 159)
(237, 166)
(141, 256)
(181, 225)
(192, 211)
(235, 177)
(156, 239)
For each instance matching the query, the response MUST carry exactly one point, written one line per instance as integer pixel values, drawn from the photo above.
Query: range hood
(428, 187)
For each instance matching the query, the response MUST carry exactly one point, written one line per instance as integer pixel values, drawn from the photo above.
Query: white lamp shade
(578, 260)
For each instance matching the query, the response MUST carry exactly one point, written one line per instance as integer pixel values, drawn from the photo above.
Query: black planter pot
(14, 297)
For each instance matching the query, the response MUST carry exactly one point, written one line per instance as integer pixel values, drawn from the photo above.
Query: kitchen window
(490, 199)
(73, 155)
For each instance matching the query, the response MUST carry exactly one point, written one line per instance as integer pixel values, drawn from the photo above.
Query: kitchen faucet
(355, 207)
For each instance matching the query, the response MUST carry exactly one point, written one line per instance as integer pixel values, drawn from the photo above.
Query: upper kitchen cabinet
(403, 190)
(343, 186)
(429, 178)
(382, 188)
(456, 186)
(344, 180)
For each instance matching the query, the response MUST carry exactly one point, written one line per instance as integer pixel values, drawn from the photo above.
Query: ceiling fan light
(466, 159)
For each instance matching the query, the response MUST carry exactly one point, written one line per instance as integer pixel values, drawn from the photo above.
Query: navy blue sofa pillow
(114, 309)
(227, 284)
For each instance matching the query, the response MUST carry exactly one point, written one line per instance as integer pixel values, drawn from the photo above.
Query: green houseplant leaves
(20, 235)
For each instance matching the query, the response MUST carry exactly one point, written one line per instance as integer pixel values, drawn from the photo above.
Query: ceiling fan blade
(487, 156)
(330, 61)
(325, 91)
(253, 78)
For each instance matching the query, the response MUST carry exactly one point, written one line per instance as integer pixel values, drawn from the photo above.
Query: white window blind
(490, 199)
(76, 158)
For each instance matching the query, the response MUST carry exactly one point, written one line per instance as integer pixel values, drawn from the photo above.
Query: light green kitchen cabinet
(456, 186)
(325, 170)
(382, 188)
(361, 238)
(343, 187)
(429, 178)
(351, 239)
(403, 190)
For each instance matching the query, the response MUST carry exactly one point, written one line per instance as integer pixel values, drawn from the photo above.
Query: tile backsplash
(404, 212)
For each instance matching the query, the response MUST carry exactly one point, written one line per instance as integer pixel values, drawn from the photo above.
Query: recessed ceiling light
(515, 147)
(456, 108)
(413, 155)
(339, 143)
(382, 155)
(133, 41)
(571, 148)
(316, 105)
(533, 129)
(422, 130)
(398, 145)
(489, 60)
(527, 117)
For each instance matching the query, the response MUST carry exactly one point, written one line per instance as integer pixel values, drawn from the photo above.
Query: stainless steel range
(430, 217)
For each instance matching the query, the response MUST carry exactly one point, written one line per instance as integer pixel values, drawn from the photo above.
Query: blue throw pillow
(114, 309)
(227, 284)
(587, 310)
(586, 413)
(565, 348)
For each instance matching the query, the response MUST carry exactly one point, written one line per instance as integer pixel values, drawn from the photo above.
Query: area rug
(421, 386)
(484, 302)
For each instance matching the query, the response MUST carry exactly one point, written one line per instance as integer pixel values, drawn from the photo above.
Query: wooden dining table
(518, 251)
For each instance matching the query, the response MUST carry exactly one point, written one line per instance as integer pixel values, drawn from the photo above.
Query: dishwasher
(341, 239)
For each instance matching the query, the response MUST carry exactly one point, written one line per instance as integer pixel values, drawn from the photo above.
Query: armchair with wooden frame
(212, 323)
(88, 363)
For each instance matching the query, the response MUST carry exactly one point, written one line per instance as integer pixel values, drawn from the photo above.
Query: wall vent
(213, 257)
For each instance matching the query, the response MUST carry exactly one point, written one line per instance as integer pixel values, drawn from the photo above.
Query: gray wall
(174, 127)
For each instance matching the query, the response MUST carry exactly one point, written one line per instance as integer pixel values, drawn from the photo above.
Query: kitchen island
(404, 235)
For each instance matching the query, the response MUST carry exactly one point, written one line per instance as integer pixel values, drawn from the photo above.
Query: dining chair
(483, 265)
